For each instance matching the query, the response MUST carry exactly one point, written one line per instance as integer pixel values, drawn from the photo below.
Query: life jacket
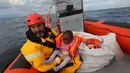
(73, 48)
(36, 50)
(46, 41)
(92, 43)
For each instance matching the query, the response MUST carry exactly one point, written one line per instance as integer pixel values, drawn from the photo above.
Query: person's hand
(49, 26)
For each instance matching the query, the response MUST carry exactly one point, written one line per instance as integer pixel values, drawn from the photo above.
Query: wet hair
(68, 33)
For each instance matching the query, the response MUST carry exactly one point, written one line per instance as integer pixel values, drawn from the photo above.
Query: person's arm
(55, 33)
(66, 60)
(36, 58)
(52, 58)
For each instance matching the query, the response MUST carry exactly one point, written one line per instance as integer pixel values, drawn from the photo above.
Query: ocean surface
(12, 29)
(114, 15)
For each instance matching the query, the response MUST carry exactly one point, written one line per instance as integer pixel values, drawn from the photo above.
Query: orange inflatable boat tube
(99, 28)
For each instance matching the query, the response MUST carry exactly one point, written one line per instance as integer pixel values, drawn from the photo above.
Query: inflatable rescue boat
(71, 17)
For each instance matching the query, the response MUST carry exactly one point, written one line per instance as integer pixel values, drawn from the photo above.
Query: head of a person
(36, 24)
(67, 37)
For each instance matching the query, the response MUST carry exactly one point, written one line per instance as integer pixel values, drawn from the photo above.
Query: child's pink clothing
(66, 47)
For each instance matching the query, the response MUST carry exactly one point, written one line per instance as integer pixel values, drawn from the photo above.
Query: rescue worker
(40, 45)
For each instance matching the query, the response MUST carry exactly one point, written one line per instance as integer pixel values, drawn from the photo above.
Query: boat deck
(121, 66)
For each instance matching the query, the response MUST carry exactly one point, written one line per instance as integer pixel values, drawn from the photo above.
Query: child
(67, 42)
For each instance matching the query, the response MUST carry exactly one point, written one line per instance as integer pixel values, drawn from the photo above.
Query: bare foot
(56, 69)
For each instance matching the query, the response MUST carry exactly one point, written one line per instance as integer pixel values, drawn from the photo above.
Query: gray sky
(24, 7)
(105, 4)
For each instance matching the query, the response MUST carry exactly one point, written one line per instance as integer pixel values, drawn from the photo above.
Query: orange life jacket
(73, 48)
(92, 43)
